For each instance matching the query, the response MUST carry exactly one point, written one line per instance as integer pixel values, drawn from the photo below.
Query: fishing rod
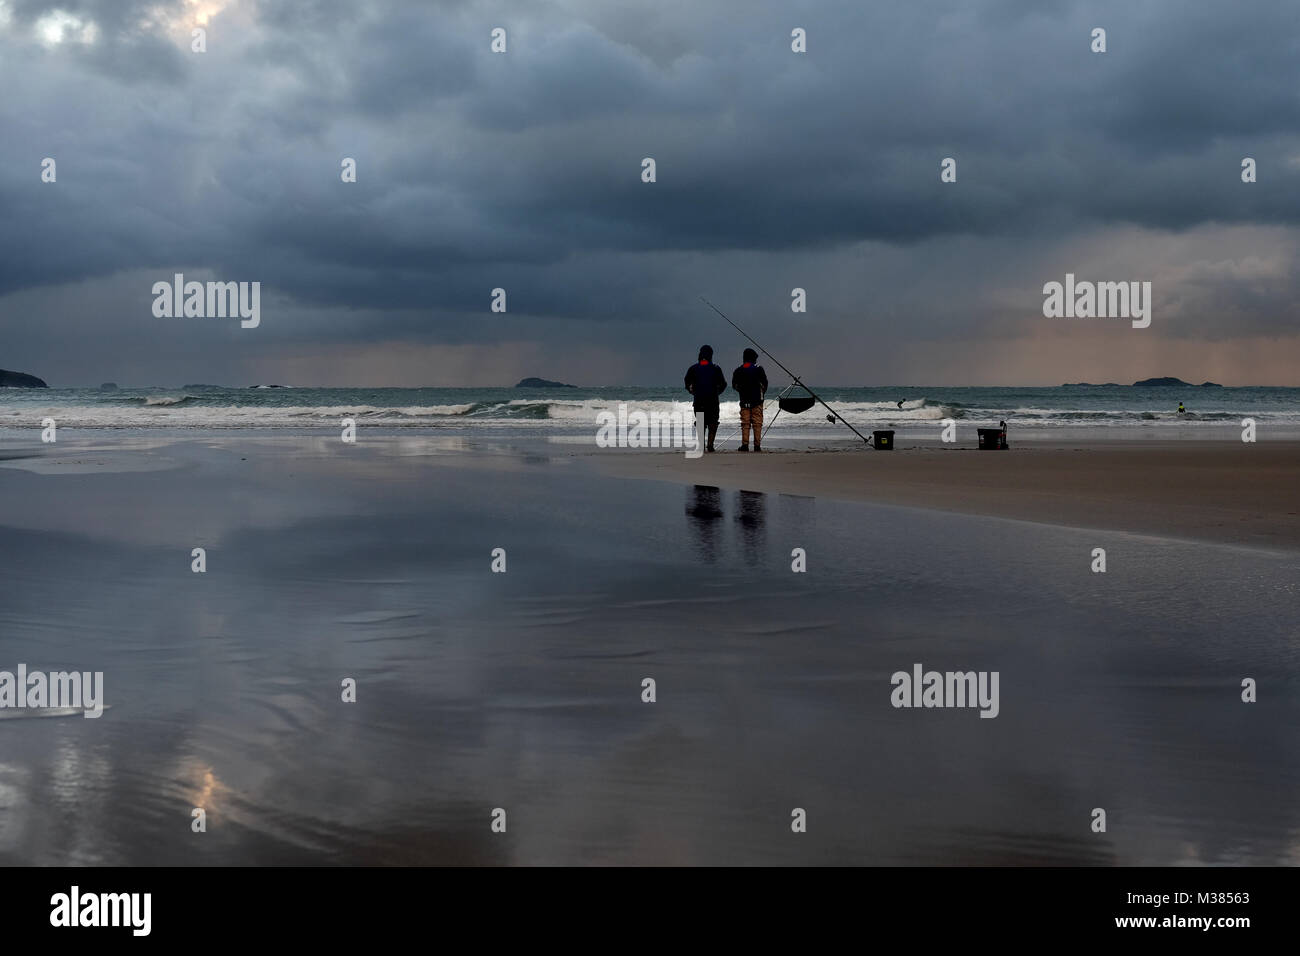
(837, 415)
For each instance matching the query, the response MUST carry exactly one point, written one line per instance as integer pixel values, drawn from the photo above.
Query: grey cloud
(479, 170)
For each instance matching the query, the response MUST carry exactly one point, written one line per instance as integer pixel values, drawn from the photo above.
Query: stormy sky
(522, 170)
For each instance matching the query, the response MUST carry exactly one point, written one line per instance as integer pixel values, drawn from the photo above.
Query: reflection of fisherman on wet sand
(751, 512)
(704, 511)
(704, 508)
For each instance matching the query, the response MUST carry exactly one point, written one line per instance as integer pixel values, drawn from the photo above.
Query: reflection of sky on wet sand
(522, 690)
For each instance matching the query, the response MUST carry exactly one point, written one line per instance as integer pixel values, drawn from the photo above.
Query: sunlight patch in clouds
(59, 26)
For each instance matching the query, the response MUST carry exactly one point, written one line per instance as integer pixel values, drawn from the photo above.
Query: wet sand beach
(524, 690)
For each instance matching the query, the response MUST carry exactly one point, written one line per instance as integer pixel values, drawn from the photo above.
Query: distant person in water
(1181, 410)
(750, 382)
(705, 381)
(900, 403)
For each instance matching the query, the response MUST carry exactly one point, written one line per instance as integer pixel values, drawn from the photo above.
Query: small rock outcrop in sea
(20, 380)
(1209, 385)
(1163, 381)
(542, 383)
(108, 387)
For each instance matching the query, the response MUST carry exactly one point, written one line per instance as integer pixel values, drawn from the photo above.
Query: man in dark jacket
(705, 381)
(750, 382)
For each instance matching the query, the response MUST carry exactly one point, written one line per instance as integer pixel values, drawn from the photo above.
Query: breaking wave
(578, 410)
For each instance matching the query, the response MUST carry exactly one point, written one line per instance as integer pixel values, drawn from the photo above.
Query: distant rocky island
(1146, 382)
(19, 380)
(1175, 381)
(542, 383)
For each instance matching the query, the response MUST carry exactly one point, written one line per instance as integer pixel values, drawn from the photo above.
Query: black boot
(744, 446)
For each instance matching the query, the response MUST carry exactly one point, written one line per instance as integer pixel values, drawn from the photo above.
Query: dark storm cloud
(522, 170)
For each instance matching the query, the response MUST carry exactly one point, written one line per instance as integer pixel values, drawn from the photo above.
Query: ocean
(1101, 411)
